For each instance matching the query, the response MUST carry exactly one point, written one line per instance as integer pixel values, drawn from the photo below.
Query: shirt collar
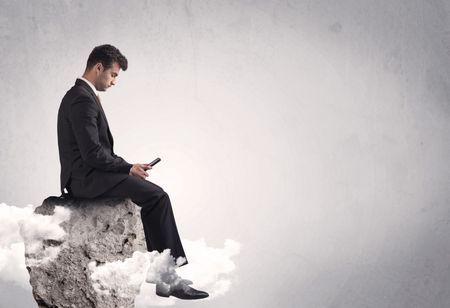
(90, 84)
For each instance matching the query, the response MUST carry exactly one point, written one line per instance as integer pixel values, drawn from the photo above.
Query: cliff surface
(62, 265)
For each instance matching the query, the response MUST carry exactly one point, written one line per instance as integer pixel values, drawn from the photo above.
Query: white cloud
(12, 250)
(35, 228)
(209, 268)
(125, 276)
(19, 223)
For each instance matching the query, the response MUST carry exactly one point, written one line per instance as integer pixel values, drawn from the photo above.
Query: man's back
(89, 166)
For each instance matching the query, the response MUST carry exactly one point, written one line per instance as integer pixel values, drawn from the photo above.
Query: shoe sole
(180, 297)
(162, 294)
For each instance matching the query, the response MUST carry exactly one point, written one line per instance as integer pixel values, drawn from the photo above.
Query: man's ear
(98, 68)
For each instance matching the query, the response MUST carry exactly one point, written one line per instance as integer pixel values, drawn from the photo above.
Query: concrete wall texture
(316, 133)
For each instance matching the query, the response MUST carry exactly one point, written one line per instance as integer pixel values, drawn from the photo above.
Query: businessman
(91, 169)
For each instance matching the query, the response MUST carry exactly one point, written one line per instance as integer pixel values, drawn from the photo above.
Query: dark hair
(107, 55)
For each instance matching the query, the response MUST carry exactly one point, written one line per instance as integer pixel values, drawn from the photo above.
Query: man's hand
(139, 170)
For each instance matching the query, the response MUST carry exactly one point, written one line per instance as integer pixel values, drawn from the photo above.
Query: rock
(96, 232)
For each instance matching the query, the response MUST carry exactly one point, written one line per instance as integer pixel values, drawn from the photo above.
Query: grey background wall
(315, 133)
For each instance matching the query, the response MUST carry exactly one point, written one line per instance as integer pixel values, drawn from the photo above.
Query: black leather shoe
(182, 291)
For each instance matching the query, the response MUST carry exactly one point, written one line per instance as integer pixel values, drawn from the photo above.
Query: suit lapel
(82, 83)
(104, 117)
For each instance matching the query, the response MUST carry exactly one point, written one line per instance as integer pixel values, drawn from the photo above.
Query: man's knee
(162, 194)
(155, 195)
(155, 200)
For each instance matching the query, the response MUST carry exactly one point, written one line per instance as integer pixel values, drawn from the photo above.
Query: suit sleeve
(118, 157)
(83, 117)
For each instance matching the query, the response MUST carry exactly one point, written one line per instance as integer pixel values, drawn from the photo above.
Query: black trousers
(156, 212)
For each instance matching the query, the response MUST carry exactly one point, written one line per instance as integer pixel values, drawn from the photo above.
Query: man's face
(106, 77)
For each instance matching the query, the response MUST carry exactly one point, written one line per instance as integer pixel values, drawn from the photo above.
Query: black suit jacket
(89, 166)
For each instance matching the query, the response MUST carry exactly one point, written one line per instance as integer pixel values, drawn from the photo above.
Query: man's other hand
(139, 170)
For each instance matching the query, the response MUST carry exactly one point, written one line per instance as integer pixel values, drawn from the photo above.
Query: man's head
(103, 66)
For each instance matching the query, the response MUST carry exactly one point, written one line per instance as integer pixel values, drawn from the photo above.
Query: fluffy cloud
(35, 228)
(17, 224)
(12, 250)
(209, 268)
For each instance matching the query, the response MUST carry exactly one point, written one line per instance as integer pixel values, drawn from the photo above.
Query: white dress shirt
(90, 84)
